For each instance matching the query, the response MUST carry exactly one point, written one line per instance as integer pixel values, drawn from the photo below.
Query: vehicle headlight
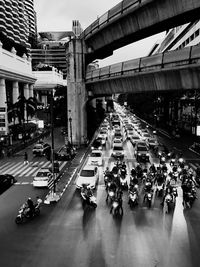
(92, 147)
(147, 154)
(163, 158)
(139, 154)
(159, 153)
(181, 160)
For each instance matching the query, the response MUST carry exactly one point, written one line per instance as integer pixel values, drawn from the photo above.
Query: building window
(196, 33)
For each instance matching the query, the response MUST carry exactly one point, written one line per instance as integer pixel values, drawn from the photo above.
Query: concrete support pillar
(15, 91)
(31, 90)
(3, 108)
(26, 95)
(26, 90)
(76, 92)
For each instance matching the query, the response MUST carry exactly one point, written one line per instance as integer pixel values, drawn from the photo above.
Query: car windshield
(95, 154)
(87, 173)
(142, 148)
(118, 148)
(42, 174)
(38, 146)
(103, 132)
(136, 137)
(152, 141)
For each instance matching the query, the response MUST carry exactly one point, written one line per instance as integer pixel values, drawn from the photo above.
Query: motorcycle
(133, 199)
(172, 162)
(24, 212)
(123, 182)
(168, 200)
(110, 195)
(159, 189)
(189, 199)
(148, 198)
(116, 208)
(88, 199)
(162, 159)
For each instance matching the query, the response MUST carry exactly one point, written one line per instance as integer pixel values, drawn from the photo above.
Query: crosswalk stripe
(63, 165)
(34, 169)
(47, 165)
(11, 164)
(193, 166)
(13, 171)
(2, 166)
(22, 169)
(26, 170)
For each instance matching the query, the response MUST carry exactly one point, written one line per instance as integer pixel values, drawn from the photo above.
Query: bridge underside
(140, 22)
(182, 78)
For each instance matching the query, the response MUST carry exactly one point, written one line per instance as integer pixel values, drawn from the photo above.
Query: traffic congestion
(137, 168)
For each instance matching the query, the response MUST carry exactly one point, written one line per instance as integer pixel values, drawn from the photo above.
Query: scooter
(148, 198)
(24, 212)
(167, 201)
(89, 200)
(133, 199)
(123, 182)
(159, 189)
(116, 209)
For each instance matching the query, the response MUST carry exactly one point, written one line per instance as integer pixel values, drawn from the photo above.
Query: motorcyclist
(169, 190)
(164, 167)
(86, 191)
(133, 172)
(30, 206)
(138, 170)
(152, 168)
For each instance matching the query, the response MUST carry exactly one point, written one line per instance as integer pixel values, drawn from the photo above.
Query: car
(41, 149)
(141, 153)
(161, 150)
(6, 180)
(117, 151)
(102, 139)
(95, 158)
(96, 144)
(65, 153)
(129, 134)
(134, 139)
(104, 134)
(145, 136)
(117, 141)
(89, 176)
(152, 143)
(42, 178)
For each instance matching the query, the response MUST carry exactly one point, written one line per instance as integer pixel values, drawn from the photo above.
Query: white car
(134, 139)
(89, 176)
(42, 178)
(117, 141)
(118, 151)
(95, 158)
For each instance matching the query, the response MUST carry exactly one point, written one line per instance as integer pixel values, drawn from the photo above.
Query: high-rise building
(51, 50)
(17, 25)
(17, 29)
(76, 27)
(179, 37)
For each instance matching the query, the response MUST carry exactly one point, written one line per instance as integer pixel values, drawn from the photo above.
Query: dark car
(6, 180)
(142, 153)
(161, 150)
(65, 153)
(96, 144)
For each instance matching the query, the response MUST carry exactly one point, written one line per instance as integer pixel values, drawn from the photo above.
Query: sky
(57, 15)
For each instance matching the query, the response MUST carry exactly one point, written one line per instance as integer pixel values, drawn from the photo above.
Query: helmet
(29, 198)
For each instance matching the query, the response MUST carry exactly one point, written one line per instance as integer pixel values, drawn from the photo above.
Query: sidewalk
(67, 175)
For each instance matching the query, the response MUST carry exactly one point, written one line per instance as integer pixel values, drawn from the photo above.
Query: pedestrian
(26, 158)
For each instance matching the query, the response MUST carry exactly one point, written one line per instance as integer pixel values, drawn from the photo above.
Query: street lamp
(70, 124)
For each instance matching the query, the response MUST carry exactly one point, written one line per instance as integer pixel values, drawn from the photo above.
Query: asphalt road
(66, 235)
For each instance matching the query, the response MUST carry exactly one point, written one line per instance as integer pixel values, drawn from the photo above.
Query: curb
(55, 197)
(194, 151)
